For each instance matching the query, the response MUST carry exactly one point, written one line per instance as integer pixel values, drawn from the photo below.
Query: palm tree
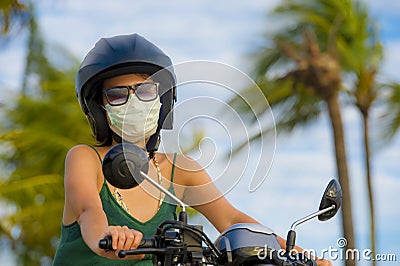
(14, 15)
(37, 131)
(310, 56)
(391, 114)
(345, 30)
(362, 55)
(309, 89)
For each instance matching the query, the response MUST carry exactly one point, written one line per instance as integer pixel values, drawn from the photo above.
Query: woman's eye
(117, 95)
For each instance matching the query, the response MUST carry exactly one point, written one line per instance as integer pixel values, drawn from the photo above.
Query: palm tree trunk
(369, 184)
(343, 173)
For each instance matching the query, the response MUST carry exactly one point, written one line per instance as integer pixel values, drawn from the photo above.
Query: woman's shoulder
(83, 161)
(84, 153)
(172, 158)
(180, 162)
(88, 150)
(82, 149)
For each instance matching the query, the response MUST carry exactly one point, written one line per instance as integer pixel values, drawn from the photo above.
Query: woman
(126, 88)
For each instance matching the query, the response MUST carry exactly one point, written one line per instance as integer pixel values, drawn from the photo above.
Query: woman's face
(124, 80)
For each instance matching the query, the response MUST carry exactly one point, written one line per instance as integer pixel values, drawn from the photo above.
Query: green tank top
(72, 250)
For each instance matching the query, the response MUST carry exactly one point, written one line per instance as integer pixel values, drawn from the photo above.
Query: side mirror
(332, 196)
(123, 163)
(329, 206)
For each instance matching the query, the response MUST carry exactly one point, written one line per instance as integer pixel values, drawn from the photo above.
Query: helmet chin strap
(116, 138)
(153, 143)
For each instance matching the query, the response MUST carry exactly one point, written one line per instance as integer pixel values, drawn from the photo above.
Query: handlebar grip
(106, 243)
(147, 243)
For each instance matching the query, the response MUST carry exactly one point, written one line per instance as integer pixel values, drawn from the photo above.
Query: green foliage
(391, 114)
(14, 15)
(341, 29)
(319, 34)
(38, 129)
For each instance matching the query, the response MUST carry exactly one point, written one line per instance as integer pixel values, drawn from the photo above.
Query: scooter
(175, 242)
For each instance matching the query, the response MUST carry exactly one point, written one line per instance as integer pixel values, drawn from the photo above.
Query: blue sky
(227, 32)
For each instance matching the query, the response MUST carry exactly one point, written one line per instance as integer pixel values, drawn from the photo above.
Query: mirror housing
(331, 196)
(123, 163)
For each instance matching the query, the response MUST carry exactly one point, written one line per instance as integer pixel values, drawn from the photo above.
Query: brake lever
(139, 251)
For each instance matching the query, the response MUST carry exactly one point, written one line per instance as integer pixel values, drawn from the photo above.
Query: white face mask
(136, 120)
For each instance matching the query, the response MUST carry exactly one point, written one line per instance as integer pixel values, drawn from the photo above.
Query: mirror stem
(312, 215)
(291, 236)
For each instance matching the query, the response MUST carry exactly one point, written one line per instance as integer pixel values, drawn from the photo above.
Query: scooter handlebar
(106, 243)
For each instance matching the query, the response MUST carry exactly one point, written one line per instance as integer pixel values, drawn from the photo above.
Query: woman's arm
(82, 173)
(204, 196)
(201, 193)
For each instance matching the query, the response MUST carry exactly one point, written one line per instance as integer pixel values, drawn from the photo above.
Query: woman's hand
(124, 238)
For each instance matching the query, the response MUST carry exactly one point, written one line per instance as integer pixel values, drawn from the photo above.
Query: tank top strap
(97, 152)
(173, 168)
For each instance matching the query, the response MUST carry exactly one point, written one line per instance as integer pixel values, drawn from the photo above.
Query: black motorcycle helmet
(119, 55)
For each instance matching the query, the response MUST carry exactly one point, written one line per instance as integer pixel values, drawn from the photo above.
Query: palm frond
(390, 119)
(29, 183)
